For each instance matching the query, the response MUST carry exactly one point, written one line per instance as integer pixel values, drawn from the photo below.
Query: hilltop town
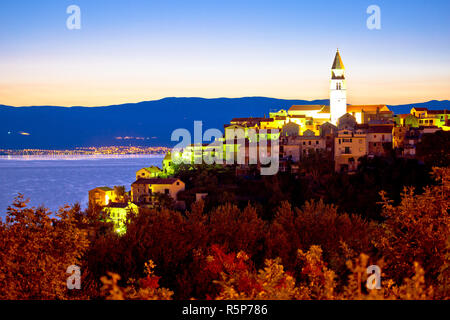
(339, 132)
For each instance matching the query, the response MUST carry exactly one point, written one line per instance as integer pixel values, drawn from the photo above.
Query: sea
(54, 181)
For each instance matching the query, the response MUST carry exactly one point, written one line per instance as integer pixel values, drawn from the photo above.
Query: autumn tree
(341, 236)
(235, 229)
(237, 278)
(146, 288)
(418, 230)
(36, 248)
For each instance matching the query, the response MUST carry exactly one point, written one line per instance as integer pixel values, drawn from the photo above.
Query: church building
(338, 90)
(338, 107)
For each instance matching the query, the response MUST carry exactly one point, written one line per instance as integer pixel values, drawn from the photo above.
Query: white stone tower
(338, 90)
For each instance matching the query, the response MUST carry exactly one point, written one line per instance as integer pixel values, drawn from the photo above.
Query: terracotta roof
(438, 111)
(152, 169)
(168, 156)
(369, 107)
(403, 116)
(327, 124)
(247, 119)
(380, 129)
(155, 181)
(306, 107)
(104, 188)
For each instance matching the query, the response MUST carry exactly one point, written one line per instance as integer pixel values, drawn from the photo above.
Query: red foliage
(223, 262)
(239, 266)
(151, 282)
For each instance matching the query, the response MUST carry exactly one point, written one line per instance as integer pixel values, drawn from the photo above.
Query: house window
(178, 183)
(317, 142)
(166, 191)
(309, 142)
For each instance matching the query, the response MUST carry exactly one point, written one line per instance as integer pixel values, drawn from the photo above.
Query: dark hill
(52, 127)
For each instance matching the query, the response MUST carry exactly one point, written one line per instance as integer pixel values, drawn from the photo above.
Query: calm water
(55, 181)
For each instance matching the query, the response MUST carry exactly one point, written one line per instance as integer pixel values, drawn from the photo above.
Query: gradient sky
(135, 50)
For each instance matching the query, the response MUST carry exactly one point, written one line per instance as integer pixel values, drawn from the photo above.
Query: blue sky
(129, 51)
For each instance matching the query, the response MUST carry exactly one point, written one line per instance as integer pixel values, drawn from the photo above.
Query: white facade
(338, 90)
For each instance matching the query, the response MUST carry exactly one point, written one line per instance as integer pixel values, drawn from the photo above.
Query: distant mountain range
(147, 123)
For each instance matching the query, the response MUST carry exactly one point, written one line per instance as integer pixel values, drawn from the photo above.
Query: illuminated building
(368, 113)
(142, 190)
(346, 131)
(117, 214)
(379, 139)
(438, 118)
(150, 172)
(312, 117)
(349, 147)
(168, 167)
(101, 196)
(338, 90)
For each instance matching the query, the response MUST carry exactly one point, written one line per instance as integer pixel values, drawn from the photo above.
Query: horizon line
(214, 98)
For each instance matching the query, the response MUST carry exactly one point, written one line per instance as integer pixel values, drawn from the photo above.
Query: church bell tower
(338, 90)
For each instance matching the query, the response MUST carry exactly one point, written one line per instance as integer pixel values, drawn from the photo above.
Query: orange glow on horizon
(84, 95)
(111, 81)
